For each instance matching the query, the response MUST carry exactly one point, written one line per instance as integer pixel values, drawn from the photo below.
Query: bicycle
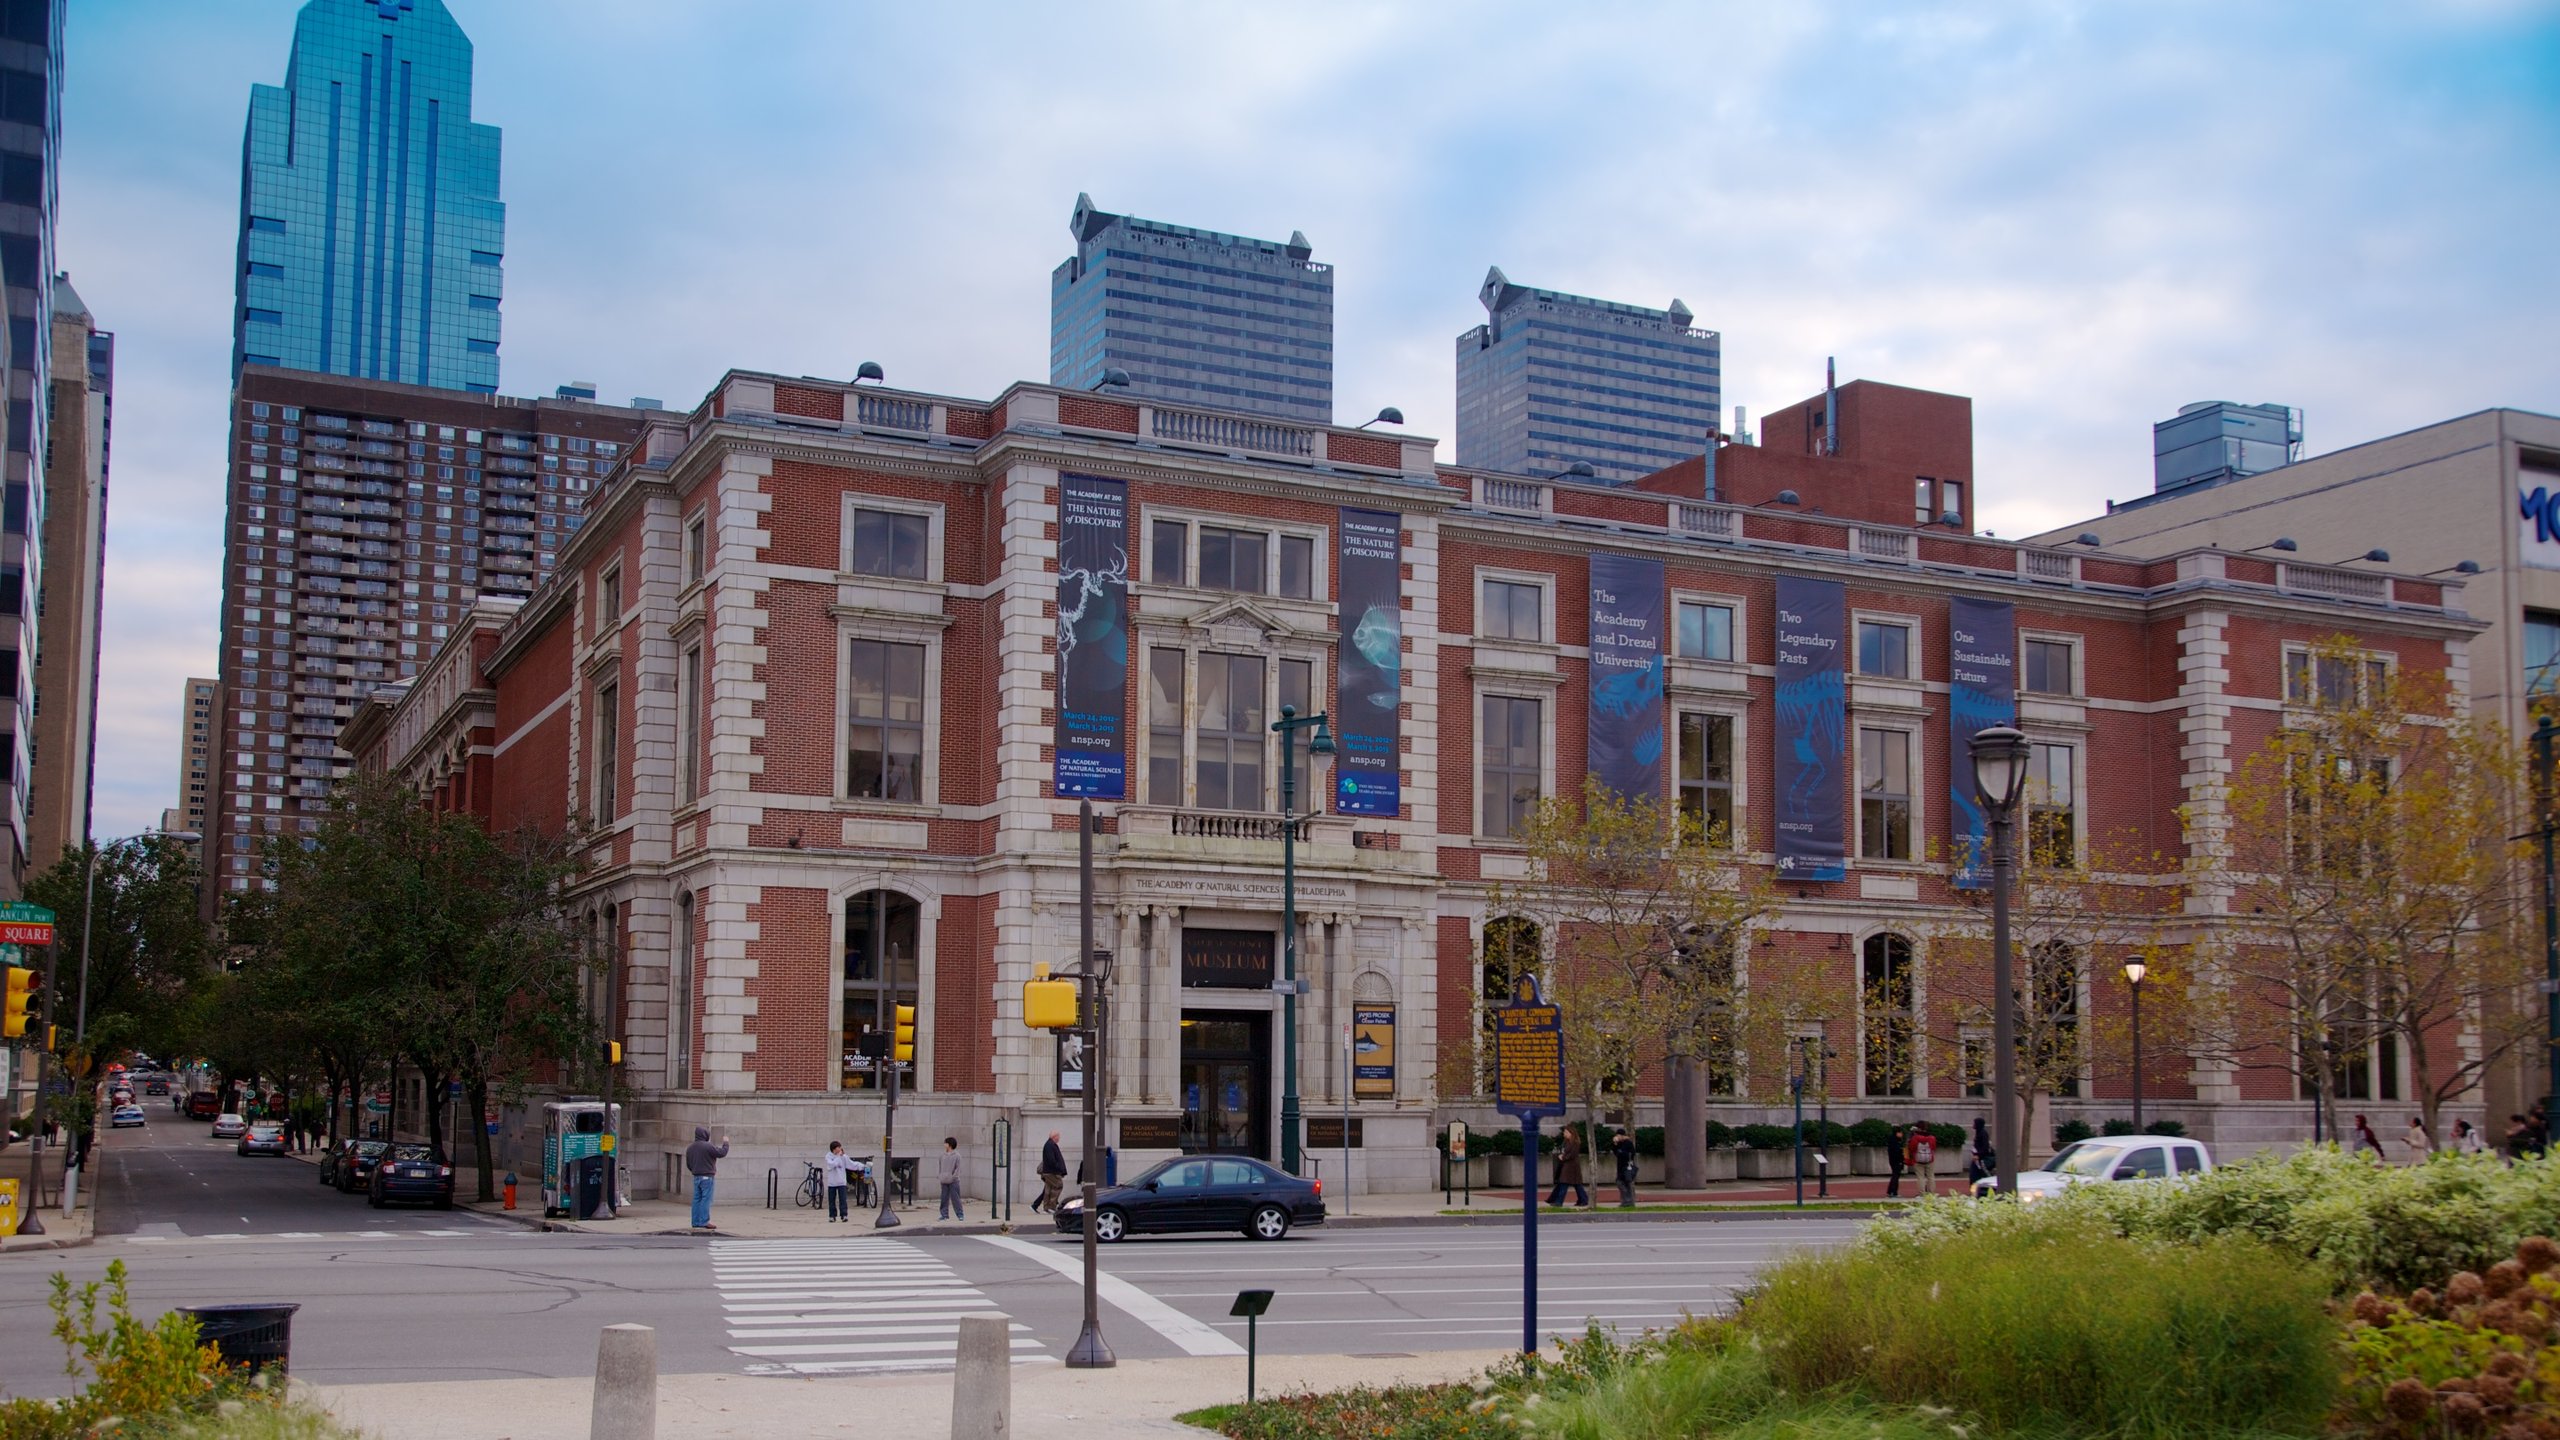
(813, 1187)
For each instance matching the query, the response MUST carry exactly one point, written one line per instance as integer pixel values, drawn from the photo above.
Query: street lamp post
(2544, 737)
(1999, 775)
(1287, 728)
(2134, 970)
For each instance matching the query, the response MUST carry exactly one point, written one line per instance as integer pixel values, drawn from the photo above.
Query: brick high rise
(826, 670)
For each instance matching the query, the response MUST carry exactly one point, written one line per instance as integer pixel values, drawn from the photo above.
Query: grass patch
(1703, 1207)
(1403, 1412)
(2060, 1329)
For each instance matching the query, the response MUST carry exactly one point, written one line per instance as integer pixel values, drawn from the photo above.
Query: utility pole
(1091, 1351)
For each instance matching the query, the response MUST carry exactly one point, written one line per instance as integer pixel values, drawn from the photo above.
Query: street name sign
(25, 924)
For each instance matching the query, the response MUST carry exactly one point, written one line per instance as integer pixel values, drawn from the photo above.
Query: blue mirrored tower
(372, 241)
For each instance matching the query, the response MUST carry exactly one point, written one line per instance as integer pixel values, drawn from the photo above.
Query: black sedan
(1202, 1192)
(352, 1164)
(412, 1172)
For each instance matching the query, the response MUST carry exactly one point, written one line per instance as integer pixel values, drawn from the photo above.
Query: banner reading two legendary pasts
(1624, 731)
(1369, 663)
(1092, 758)
(1982, 691)
(1812, 690)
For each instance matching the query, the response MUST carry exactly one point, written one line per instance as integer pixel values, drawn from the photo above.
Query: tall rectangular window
(1511, 611)
(2048, 667)
(1297, 567)
(1164, 727)
(884, 733)
(2053, 830)
(1885, 1007)
(1512, 743)
(1227, 765)
(1705, 631)
(1705, 769)
(1884, 648)
(1922, 511)
(1164, 554)
(608, 750)
(609, 601)
(680, 999)
(1297, 688)
(1231, 559)
(697, 548)
(889, 543)
(689, 727)
(1884, 794)
(2541, 654)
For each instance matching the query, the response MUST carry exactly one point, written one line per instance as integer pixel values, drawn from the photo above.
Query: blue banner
(1368, 663)
(1813, 679)
(1624, 729)
(1982, 691)
(1091, 754)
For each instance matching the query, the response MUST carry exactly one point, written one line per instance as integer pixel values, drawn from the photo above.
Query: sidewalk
(1136, 1397)
(61, 1231)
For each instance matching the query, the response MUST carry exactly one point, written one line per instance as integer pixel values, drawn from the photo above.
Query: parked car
(204, 1105)
(263, 1137)
(1202, 1192)
(229, 1126)
(2113, 1157)
(412, 1172)
(355, 1165)
(126, 1115)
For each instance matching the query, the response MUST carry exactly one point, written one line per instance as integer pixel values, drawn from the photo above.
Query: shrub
(1769, 1137)
(1648, 1139)
(2117, 1126)
(2482, 1355)
(1720, 1136)
(2165, 1127)
(1872, 1132)
(2067, 1327)
(2071, 1132)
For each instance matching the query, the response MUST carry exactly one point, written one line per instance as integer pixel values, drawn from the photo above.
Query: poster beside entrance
(1091, 756)
(1373, 1052)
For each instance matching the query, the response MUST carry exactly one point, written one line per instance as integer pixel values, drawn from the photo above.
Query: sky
(2081, 216)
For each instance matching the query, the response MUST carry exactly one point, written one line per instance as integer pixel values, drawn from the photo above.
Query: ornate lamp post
(1287, 728)
(1999, 776)
(2134, 970)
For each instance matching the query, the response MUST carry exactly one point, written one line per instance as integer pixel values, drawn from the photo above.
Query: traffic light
(904, 1045)
(613, 1052)
(1048, 1004)
(21, 987)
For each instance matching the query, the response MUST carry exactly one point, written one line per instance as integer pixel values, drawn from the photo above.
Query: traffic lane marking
(1185, 1331)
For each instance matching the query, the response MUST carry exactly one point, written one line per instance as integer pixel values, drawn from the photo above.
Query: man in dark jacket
(1569, 1170)
(1053, 1174)
(1625, 1146)
(702, 1161)
(1893, 1160)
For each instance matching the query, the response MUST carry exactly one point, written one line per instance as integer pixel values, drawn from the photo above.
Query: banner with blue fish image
(1812, 692)
(1091, 754)
(1624, 732)
(1982, 691)
(1368, 663)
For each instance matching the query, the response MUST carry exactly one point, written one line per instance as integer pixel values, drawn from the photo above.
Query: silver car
(263, 1137)
(2110, 1158)
(229, 1127)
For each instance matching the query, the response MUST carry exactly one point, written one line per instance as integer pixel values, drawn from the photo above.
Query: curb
(39, 1246)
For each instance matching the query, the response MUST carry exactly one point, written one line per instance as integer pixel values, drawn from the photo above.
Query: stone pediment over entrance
(1238, 621)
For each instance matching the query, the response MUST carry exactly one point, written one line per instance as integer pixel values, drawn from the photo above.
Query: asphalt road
(404, 1295)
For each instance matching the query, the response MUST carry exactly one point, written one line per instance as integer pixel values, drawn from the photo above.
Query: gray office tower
(1551, 378)
(1193, 317)
(30, 141)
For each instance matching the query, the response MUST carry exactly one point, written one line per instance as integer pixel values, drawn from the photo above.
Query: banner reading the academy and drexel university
(1813, 676)
(1624, 729)
(1982, 691)
(1093, 638)
(1369, 663)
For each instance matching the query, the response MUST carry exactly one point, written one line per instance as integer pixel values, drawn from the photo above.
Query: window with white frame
(1227, 741)
(1884, 793)
(1512, 742)
(1703, 767)
(2334, 681)
(1243, 559)
(608, 750)
(884, 721)
(1227, 758)
(1512, 610)
(1886, 1018)
(680, 998)
(890, 543)
(1884, 649)
(697, 547)
(2053, 825)
(2045, 666)
(1703, 630)
(1164, 726)
(608, 600)
(689, 726)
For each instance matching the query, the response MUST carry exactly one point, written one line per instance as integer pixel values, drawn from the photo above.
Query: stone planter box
(1767, 1164)
(1503, 1171)
(1870, 1160)
(1719, 1165)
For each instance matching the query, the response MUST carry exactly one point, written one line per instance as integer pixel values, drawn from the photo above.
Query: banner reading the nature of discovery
(1624, 733)
(1813, 678)
(1982, 691)
(1093, 638)
(1369, 663)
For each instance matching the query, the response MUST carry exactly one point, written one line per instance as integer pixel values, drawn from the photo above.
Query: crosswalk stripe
(855, 1306)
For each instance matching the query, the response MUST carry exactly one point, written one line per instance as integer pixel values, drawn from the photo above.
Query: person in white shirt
(2420, 1143)
(837, 1163)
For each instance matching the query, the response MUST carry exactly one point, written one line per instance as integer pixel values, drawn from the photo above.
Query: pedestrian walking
(839, 1207)
(1893, 1163)
(1626, 1148)
(702, 1161)
(2365, 1139)
(2420, 1143)
(1053, 1174)
(2466, 1139)
(949, 1172)
(2518, 1142)
(1920, 1151)
(1568, 1170)
(1980, 1160)
(2538, 1129)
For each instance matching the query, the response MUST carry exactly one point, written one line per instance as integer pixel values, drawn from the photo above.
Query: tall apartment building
(1550, 379)
(364, 519)
(30, 142)
(372, 240)
(196, 719)
(62, 759)
(1193, 316)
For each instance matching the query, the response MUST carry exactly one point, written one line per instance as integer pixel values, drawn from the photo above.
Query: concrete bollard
(626, 1405)
(982, 1385)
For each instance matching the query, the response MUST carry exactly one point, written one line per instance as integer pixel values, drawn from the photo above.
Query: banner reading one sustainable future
(1812, 689)
(1625, 728)
(1093, 638)
(1369, 663)
(1982, 691)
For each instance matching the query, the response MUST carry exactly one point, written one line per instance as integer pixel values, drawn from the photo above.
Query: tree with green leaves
(147, 943)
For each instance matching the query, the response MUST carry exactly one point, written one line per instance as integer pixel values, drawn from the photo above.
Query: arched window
(1510, 952)
(881, 965)
(1706, 986)
(1884, 992)
(680, 998)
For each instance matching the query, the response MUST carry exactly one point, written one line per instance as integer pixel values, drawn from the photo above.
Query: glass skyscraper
(371, 237)
(30, 142)
(1551, 378)
(1193, 316)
